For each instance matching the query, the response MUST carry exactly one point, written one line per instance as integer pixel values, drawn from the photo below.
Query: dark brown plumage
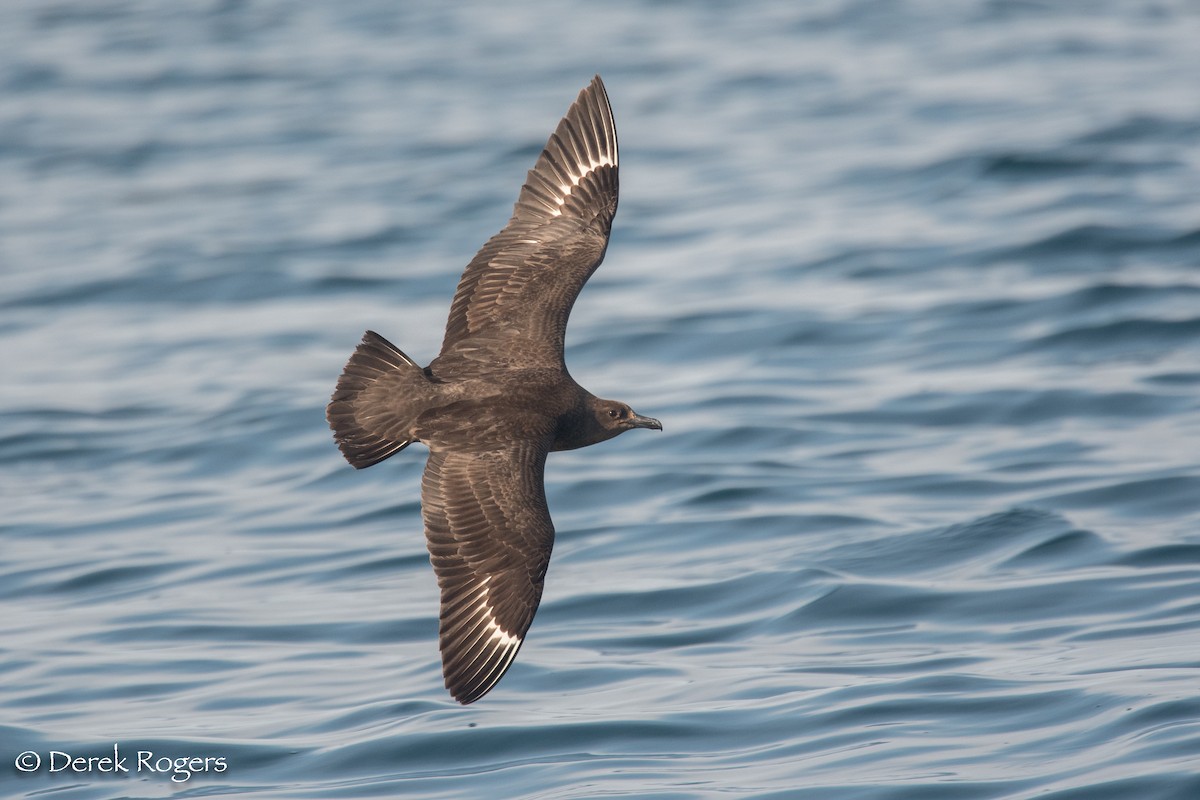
(497, 399)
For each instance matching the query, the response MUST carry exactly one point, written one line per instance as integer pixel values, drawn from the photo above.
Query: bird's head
(615, 417)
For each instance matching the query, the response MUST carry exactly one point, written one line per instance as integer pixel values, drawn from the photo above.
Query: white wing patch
(499, 636)
(566, 190)
(487, 643)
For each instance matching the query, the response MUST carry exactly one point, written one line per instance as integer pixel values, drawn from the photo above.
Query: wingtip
(476, 650)
(468, 685)
(576, 174)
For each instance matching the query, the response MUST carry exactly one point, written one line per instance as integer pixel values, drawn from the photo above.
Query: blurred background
(914, 287)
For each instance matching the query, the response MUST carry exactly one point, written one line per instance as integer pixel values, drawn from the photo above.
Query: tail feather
(368, 410)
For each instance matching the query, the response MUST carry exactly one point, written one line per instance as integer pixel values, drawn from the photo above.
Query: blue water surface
(914, 287)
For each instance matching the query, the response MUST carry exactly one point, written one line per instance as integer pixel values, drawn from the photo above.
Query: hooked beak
(638, 421)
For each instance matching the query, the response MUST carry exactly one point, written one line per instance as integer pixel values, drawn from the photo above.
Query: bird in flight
(497, 399)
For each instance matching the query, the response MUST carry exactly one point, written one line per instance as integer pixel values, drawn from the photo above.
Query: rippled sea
(914, 287)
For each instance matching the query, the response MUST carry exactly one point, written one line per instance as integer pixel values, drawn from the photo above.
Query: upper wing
(522, 283)
(489, 535)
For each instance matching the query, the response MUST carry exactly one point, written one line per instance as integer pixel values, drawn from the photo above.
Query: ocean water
(914, 287)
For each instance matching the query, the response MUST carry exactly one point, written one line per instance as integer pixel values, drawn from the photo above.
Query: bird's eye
(616, 413)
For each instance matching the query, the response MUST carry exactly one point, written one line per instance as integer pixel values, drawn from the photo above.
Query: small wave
(1102, 240)
(1139, 335)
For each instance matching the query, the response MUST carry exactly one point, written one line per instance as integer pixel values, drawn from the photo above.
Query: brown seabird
(497, 399)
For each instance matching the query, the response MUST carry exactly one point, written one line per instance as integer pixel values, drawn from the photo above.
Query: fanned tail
(370, 411)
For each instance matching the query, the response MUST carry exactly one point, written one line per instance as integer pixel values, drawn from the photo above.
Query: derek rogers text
(180, 768)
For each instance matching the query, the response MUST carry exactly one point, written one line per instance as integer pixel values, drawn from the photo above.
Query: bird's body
(498, 399)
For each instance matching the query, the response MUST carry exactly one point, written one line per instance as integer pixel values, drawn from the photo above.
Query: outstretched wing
(522, 283)
(489, 535)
